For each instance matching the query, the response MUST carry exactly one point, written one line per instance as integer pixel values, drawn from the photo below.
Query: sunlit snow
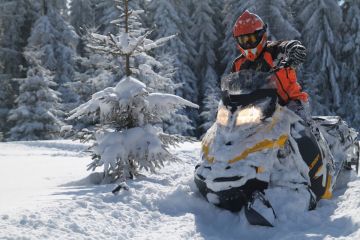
(46, 193)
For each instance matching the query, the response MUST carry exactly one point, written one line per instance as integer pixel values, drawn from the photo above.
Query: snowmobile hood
(257, 147)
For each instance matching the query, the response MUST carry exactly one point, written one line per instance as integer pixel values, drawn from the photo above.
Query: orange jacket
(285, 78)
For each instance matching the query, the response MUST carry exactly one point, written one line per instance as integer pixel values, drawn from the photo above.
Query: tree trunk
(127, 57)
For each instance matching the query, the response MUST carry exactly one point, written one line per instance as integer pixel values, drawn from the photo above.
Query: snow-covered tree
(105, 12)
(277, 14)
(172, 17)
(6, 101)
(157, 73)
(143, 66)
(185, 9)
(59, 5)
(350, 57)
(95, 72)
(130, 137)
(82, 18)
(16, 17)
(210, 99)
(320, 24)
(58, 42)
(205, 61)
(82, 15)
(35, 117)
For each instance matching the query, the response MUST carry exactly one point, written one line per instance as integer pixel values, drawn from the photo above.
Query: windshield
(246, 81)
(249, 93)
(246, 88)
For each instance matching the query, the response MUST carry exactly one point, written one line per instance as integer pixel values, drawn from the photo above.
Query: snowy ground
(45, 193)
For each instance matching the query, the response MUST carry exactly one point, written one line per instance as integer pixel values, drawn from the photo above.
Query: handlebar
(283, 64)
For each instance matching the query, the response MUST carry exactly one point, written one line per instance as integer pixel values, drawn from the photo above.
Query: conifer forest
(54, 58)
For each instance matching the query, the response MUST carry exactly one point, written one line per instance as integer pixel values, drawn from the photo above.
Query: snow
(46, 193)
(116, 148)
(31, 171)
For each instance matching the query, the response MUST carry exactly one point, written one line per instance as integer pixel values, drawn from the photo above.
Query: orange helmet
(250, 33)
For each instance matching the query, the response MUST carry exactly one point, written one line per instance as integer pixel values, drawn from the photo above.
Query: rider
(261, 55)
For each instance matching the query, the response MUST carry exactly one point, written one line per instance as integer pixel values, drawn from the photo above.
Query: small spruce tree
(35, 117)
(129, 136)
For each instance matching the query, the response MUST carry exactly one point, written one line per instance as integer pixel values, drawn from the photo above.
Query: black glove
(295, 53)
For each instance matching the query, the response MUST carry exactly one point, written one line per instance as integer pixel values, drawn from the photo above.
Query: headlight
(251, 114)
(222, 116)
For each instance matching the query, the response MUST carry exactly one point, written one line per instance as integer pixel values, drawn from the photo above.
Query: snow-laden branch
(124, 44)
(123, 95)
(166, 100)
(157, 43)
(105, 100)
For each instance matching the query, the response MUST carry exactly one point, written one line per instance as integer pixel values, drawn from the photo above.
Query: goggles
(251, 40)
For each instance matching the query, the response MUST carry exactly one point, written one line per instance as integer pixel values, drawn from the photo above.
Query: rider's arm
(237, 63)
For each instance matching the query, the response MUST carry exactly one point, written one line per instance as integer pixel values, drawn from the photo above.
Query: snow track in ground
(45, 193)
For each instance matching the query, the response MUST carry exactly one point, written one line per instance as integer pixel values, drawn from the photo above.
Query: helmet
(250, 33)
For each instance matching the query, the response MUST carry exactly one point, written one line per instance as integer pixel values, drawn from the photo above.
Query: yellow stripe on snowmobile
(260, 169)
(318, 172)
(312, 165)
(328, 190)
(266, 144)
(205, 150)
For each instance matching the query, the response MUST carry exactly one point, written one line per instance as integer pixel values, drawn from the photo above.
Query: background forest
(47, 68)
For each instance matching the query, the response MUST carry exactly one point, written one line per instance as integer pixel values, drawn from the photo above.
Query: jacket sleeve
(282, 48)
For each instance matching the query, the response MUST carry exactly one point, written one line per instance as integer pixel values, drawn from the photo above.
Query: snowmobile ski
(259, 211)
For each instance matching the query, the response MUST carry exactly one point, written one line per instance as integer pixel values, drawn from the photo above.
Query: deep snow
(46, 193)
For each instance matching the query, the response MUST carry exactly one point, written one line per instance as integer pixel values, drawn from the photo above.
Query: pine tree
(59, 42)
(35, 117)
(211, 99)
(144, 67)
(205, 61)
(16, 18)
(128, 113)
(82, 15)
(277, 14)
(218, 19)
(105, 12)
(320, 23)
(172, 17)
(6, 102)
(350, 56)
(94, 72)
(60, 6)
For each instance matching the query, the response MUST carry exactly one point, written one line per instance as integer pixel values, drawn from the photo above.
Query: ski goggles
(251, 40)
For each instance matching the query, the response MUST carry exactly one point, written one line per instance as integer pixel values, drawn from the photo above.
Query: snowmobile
(256, 143)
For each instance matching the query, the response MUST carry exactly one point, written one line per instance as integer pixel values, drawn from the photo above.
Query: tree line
(49, 66)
